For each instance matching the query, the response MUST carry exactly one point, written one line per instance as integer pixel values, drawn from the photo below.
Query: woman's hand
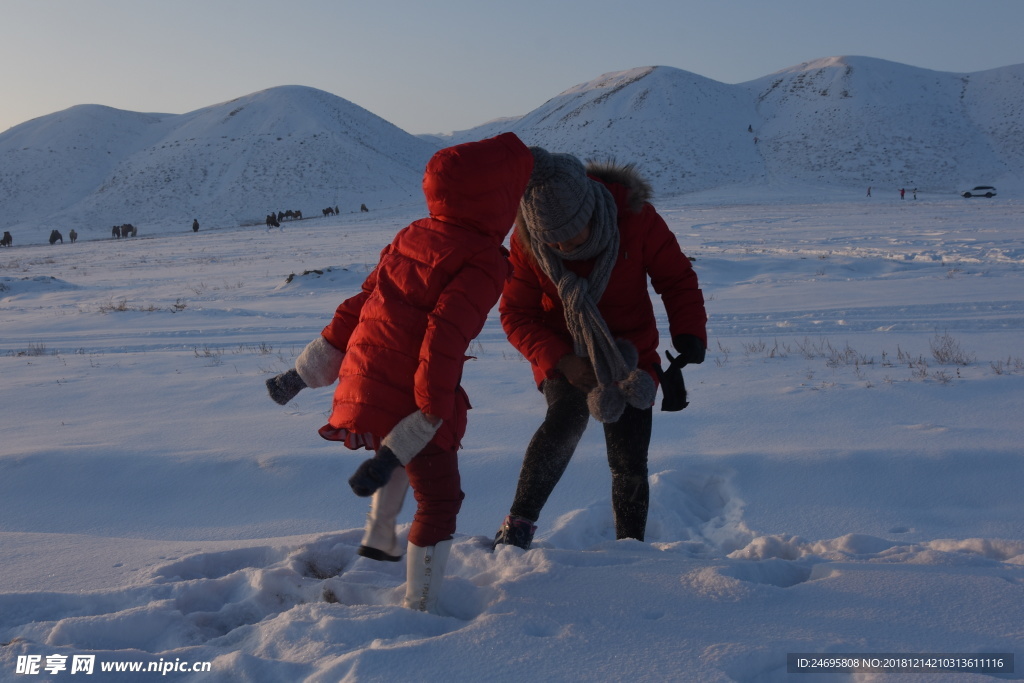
(578, 371)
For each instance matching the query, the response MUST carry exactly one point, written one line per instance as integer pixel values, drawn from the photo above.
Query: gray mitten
(410, 436)
(403, 443)
(374, 473)
(319, 362)
(283, 387)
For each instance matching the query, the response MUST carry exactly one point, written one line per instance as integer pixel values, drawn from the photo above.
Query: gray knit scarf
(614, 360)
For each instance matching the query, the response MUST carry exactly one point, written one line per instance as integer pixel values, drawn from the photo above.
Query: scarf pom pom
(606, 403)
(608, 400)
(639, 389)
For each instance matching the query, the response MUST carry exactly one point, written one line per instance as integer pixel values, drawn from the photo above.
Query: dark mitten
(673, 389)
(691, 349)
(374, 473)
(283, 387)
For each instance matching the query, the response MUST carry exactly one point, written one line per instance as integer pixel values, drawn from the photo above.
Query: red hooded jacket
(406, 333)
(531, 310)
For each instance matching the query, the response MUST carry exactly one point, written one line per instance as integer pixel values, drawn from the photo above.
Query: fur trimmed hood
(638, 189)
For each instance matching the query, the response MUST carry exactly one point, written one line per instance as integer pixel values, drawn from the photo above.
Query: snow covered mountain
(684, 131)
(849, 121)
(286, 148)
(868, 121)
(853, 121)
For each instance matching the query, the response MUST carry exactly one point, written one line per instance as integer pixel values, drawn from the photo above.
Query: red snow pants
(437, 487)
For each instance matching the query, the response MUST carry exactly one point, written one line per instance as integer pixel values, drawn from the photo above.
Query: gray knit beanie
(559, 198)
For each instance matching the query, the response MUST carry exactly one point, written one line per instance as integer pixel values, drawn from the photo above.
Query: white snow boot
(424, 571)
(379, 540)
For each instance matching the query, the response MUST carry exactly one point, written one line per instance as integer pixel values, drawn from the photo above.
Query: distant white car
(980, 191)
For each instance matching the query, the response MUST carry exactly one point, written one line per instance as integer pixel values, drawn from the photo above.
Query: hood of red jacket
(478, 185)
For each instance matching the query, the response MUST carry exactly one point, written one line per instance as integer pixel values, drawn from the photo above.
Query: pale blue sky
(443, 65)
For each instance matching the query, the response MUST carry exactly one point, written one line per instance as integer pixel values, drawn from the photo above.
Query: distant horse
(362, 207)
(329, 211)
(272, 221)
(116, 231)
(129, 230)
(7, 240)
(55, 235)
(73, 235)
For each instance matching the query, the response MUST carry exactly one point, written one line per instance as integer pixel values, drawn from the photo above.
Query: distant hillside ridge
(838, 121)
(851, 121)
(285, 148)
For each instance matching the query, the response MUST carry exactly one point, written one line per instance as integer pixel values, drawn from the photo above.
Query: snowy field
(848, 478)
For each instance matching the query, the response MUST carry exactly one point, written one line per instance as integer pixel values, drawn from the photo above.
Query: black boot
(517, 531)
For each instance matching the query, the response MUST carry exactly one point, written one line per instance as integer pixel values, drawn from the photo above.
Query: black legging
(555, 441)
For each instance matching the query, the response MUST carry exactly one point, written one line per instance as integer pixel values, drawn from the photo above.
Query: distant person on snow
(397, 349)
(577, 307)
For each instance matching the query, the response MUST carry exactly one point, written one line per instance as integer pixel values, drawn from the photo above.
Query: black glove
(673, 389)
(283, 387)
(690, 348)
(374, 473)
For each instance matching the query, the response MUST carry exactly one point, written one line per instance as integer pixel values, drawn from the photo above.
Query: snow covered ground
(847, 479)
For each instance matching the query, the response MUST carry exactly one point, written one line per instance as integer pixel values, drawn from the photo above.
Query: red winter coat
(406, 333)
(531, 310)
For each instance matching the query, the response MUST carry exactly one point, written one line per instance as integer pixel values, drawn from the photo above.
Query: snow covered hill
(851, 121)
(859, 120)
(840, 121)
(297, 148)
(684, 131)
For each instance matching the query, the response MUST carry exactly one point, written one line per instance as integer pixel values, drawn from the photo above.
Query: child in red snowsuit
(397, 349)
